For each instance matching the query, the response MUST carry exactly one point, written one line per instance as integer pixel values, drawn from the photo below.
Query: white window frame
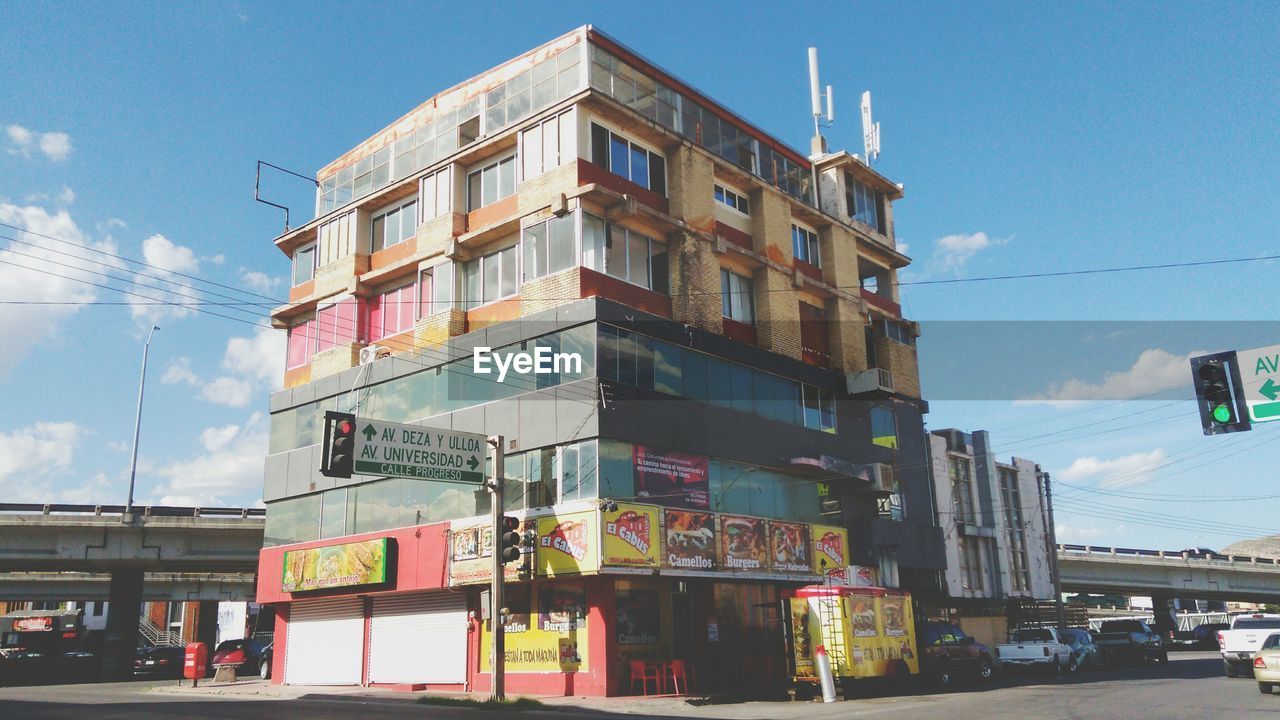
(727, 292)
(732, 199)
(494, 164)
(398, 208)
(631, 142)
(435, 194)
(313, 248)
(484, 261)
(811, 244)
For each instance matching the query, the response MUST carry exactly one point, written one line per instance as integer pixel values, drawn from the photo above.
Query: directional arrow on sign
(368, 432)
(1269, 389)
(473, 463)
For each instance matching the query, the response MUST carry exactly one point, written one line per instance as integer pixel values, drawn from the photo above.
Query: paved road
(1190, 686)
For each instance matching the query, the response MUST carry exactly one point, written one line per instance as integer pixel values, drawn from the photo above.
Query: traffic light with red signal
(338, 454)
(510, 539)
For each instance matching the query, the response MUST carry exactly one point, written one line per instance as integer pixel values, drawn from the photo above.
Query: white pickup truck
(1246, 635)
(1035, 647)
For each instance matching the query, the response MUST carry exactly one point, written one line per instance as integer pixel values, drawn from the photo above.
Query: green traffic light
(1222, 413)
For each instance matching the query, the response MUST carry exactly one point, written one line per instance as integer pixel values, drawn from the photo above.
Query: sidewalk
(692, 706)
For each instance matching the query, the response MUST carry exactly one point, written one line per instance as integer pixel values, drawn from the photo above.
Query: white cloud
(67, 196)
(903, 248)
(1117, 472)
(260, 358)
(55, 146)
(259, 281)
(28, 327)
(160, 251)
(228, 470)
(1067, 532)
(952, 252)
(31, 455)
(229, 391)
(1155, 371)
(179, 372)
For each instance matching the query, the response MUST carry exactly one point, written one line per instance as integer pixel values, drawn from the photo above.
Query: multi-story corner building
(746, 417)
(994, 518)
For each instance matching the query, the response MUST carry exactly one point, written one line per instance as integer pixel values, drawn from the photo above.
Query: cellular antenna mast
(870, 131)
(819, 144)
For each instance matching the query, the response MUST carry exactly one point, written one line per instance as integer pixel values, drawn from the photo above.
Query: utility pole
(498, 665)
(137, 427)
(1051, 535)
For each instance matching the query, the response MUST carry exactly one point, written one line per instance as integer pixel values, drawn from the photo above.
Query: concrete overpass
(156, 587)
(71, 547)
(1168, 574)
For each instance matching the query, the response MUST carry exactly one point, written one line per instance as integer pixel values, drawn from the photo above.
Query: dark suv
(1132, 640)
(947, 652)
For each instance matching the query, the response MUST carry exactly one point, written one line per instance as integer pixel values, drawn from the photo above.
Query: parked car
(163, 661)
(1131, 640)
(1040, 648)
(246, 655)
(1238, 644)
(1266, 664)
(1085, 654)
(1201, 637)
(946, 652)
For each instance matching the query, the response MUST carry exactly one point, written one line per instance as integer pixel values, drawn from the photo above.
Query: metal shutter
(419, 639)
(324, 643)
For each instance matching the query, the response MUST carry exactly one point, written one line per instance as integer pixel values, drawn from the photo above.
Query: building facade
(994, 518)
(745, 417)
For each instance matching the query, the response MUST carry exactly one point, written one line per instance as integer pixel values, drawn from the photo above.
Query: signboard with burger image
(689, 540)
(567, 544)
(335, 566)
(789, 547)
(744, 544)
(630, 536)
(471, 553)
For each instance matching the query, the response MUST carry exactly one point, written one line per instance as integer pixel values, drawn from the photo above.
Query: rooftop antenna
(819, 144)
(870, 131)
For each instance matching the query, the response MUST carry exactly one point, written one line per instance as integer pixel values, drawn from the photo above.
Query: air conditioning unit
(872, 381)
(880, 477)
(369, 353)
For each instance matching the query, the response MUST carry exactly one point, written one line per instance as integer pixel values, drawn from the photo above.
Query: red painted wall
(596, 284)
(419, 564)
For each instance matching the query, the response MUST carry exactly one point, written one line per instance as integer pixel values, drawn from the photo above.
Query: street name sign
(420, 453)
(1260, 375)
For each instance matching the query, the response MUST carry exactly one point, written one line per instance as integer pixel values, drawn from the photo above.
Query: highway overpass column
(207, 624)
(1162, 620)
(121, 642)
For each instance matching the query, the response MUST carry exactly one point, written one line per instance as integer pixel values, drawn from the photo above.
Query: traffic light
(510, 539)
(338, 459)
(1219, 393)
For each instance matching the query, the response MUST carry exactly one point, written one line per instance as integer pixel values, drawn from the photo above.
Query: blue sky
(1029, 138)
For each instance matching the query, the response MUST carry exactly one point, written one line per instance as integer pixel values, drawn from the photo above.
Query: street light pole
(137, 425)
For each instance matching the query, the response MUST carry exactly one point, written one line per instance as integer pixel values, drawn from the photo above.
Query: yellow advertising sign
(831, 552)
(567, 544)
(550, 636)
(630, 536)
(334, 566)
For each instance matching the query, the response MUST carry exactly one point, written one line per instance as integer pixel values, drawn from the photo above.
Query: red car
(947, 652)
(247, 655)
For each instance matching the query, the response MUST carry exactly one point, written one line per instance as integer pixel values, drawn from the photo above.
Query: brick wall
(435, 235)
(900, 361)
(335, 277)
(695, 282)
(691, 188)
(550, 290)
(436, 329)
(777, 313)
(846, 327)
(771, 226)
(335, 360)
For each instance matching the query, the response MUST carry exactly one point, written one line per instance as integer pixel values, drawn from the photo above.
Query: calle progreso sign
(412, 451)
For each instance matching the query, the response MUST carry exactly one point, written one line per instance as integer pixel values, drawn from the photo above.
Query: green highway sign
(1260, 376)
(420, 453)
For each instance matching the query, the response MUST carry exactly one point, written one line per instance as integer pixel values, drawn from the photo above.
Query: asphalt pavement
(1192, 685)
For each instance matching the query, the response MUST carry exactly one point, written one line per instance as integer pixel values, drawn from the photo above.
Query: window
(890, 506)
(804, 243)
(547, 145)
(490, 278)
(437, 194)
(819, 408)
(896, 332)
(620, 156)
(394, 226)
(864, 204)
(962, 491)
(736, 297)
(336, 325)
(549, 246)
(884, 427)
(304, 264)
(390, 312)
(732, 199)
(625, 254)
(300, 343)
(491, 183)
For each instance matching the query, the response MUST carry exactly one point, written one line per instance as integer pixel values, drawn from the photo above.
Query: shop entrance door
(681, 625)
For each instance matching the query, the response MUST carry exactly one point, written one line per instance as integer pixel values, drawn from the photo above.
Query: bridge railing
(1163, 554)
(144, 510)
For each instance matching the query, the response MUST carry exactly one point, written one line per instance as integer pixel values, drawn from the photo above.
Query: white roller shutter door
(325, 643)
(419, 639)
